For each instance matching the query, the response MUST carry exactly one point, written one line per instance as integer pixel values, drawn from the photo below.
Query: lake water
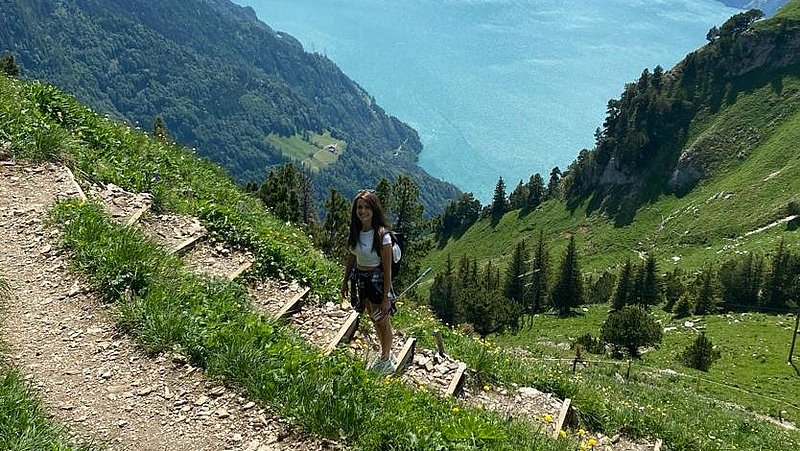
(496, 87)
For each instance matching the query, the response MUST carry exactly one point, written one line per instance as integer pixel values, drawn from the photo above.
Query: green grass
(24, 424)
(752, 371)
(311, 152)
(210, 321)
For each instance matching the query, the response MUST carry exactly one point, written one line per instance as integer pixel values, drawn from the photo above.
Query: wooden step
(187, 245)
(74, 182)
(293, 304)
(406, 355)
(241, 270)
(458, 380)
(562, 416)
(345, 334)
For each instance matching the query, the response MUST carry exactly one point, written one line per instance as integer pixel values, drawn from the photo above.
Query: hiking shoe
(384, 367)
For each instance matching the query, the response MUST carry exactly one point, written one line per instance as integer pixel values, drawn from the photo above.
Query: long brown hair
(379, 222)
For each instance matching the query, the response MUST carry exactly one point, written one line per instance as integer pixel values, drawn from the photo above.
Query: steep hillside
(688, 162)
(224, 82)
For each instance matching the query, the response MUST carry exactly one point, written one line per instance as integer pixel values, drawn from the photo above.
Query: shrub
(700, 354)
(590, 343)
(684, 306)
(630, 328)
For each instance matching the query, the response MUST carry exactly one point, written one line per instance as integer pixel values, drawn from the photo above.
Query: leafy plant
(700, 354)
(630, 328)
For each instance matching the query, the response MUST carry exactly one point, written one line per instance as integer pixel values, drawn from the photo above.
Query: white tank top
(366, 257)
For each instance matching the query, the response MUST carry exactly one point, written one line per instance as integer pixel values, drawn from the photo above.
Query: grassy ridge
(695, 228)
(335, 397)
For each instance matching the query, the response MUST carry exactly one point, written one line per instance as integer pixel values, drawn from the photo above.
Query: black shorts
(368, 286)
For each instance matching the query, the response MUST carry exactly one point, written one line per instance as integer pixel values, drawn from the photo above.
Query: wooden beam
(406, 355)
(136, 216)
(239, 271)
(562, 416)
(439, 342)
(345, 333)
(659, 442)
(74, 182)
(184, 247)
(458, 380)
(292, 305)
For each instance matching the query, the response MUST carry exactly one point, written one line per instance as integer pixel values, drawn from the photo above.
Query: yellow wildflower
(548, 418)
(562, 434)
(487, 388)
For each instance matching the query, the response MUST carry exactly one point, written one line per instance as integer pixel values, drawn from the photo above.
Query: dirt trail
(91, 376)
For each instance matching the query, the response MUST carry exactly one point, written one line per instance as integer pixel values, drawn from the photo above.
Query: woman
(369, 268)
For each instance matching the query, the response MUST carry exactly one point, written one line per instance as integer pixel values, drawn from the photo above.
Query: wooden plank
(562, 416)
(458, 380)
(184, 247)
(437, 335)
(406, 355)
(136, 216)
(659, 442)
(345, 333)
(240, 270)
(293, 304)
(74, 182)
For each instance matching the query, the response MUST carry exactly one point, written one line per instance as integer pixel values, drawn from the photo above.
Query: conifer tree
(499, 198)
(552, 185)
(384, 194)
(407, 209)
(517, 281)
(700, 354)
(652, 288)
(707, 298)
(282, 192)
(778, 281)
(631, 328)
(8, 66)
(622, 293)
(536, 191)
(518, 199)
(335, 227)
(442, 296)
(673, 288)
(568, 290)
(539, 274)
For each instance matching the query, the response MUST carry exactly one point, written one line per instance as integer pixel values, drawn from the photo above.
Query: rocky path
(103, 388)
(90, 376)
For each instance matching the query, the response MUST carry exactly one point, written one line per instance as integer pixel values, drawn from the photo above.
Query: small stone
(222, 413)
(217, 391)
(236, 438)
(201, 400)
(249, 405)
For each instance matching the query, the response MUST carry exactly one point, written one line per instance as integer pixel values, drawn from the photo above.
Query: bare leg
(384, 331)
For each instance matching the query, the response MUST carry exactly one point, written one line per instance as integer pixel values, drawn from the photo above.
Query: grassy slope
(695, 229)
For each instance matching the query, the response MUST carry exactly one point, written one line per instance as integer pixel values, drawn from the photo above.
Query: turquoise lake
(496, 87)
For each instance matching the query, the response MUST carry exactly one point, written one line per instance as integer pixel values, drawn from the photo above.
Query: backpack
(398, 246)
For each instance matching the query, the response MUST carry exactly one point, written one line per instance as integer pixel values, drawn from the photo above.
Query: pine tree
(778, 281)
(700, 354)
(516, 281)
(707, 299)
(568, 290)
(536, 191)
(518, 199)
(673, 288)
(622, 293)
(652, 287)
(384, 193)
(442, 296)
(407, 209)
(539, 284)
(282, 192)
(499, 198)
(552, 185)
(335, 227)
(8, 66)
(631, 328)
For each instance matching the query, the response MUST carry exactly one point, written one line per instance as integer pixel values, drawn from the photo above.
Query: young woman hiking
(369, 271)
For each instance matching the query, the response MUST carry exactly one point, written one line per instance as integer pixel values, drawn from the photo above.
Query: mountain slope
(728, 135)
(223, 81)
